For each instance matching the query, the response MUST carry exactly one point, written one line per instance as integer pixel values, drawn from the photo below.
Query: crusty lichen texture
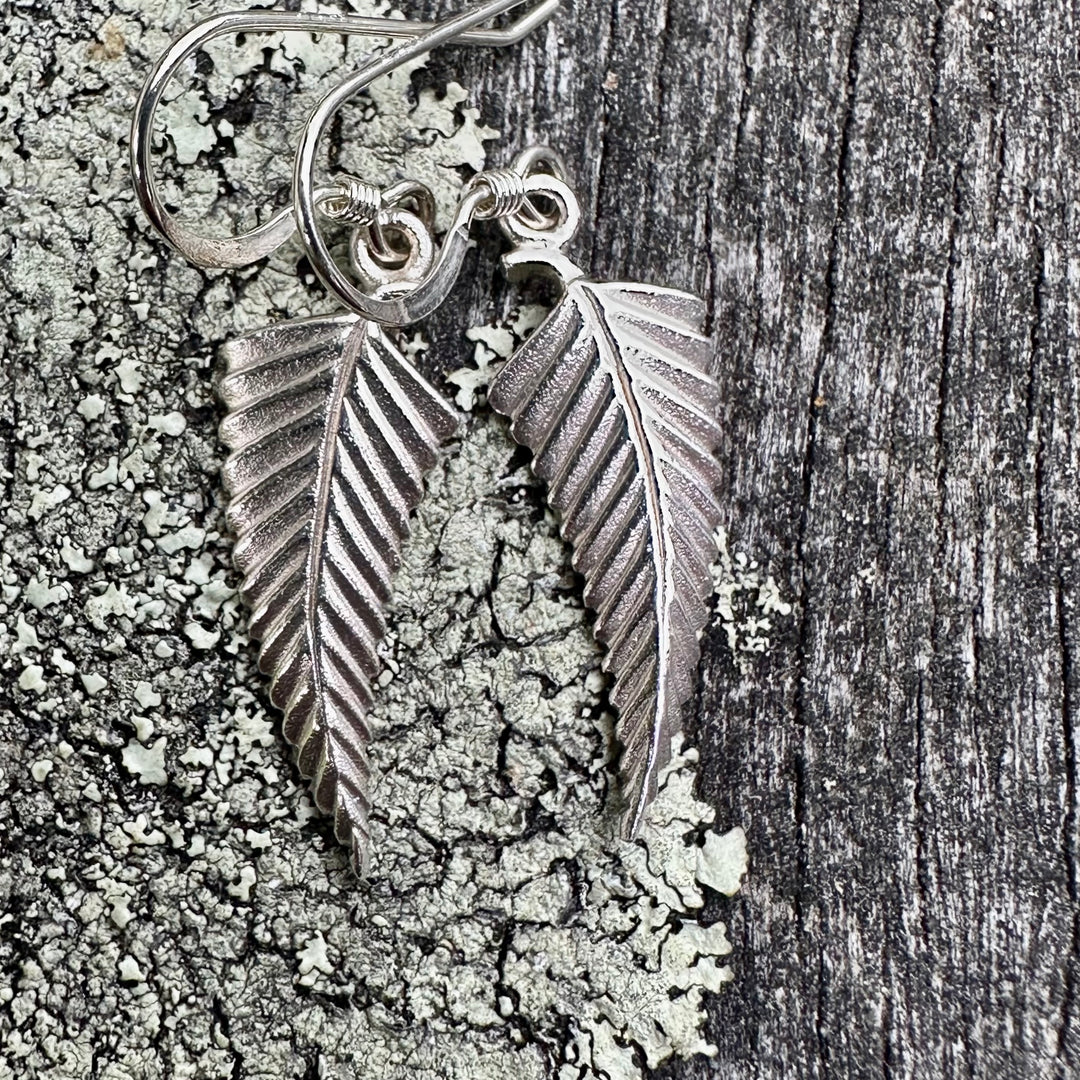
(170, 902)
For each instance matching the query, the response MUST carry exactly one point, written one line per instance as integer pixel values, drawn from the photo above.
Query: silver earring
(330, 428)
(614, 395)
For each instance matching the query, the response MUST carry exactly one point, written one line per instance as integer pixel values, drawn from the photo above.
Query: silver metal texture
(257, 243)
(613, 394)
(331, 431)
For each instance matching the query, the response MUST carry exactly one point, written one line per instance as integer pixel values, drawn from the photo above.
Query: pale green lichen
(170, 901)
(748, 602)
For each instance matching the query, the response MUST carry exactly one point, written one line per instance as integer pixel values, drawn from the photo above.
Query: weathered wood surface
(879, 199)
(885, 198)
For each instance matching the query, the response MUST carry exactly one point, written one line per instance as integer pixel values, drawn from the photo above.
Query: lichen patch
(171, 902)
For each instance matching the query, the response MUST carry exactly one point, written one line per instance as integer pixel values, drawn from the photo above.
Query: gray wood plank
(880, 199)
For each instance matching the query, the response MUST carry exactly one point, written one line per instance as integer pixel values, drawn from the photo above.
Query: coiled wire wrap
(509, 191)
(353, 201)
(506, 195)
(356, 203)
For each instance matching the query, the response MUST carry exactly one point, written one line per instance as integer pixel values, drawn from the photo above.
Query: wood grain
(879, 201)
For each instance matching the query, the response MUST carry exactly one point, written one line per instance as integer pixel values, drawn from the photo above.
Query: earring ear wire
(231, 252)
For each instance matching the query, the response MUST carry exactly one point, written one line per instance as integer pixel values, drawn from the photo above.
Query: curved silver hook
(255, 244)
(423, 298)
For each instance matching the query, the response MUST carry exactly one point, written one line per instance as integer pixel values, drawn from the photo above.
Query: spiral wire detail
(355, 201)
(506, 193)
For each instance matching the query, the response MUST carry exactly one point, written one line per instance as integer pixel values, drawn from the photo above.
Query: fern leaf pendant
(613, 394)
(331, 431)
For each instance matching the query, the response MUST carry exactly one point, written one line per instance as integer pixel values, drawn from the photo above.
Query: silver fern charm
(331, 431)
(614, 396)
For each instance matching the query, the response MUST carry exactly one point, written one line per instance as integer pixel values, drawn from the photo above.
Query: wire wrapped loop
(506, 195)
(356, 202)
